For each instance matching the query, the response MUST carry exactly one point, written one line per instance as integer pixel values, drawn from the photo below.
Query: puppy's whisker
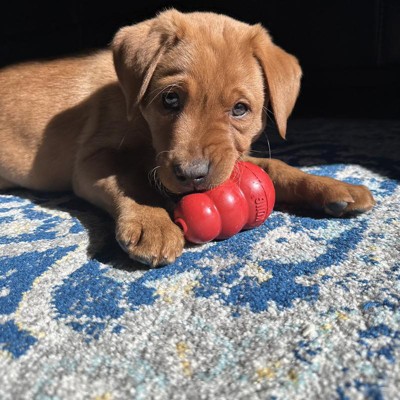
(269, 145)
(241, 157)
(158, 90)
(214, 185)
(258, 151)
(268, 111)
(270, 115)
(121, 142)
(157, 94)
(156, 182)
(153, 176)
(161, 153)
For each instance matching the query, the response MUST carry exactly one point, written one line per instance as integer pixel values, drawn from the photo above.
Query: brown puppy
(180, 97)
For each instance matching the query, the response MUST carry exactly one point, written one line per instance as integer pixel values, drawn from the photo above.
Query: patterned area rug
(304, 307)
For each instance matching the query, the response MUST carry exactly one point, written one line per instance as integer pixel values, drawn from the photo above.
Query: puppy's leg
(145, 232)
(296, 187)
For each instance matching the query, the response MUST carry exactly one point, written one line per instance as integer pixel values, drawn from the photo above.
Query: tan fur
(96, 124)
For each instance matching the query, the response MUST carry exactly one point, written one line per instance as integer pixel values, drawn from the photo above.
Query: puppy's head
(203, 82)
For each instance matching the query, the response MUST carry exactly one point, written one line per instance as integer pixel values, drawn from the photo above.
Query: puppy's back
(43, 88)
(44, 106)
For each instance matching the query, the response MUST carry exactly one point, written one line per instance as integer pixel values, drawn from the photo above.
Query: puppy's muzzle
(192, 175)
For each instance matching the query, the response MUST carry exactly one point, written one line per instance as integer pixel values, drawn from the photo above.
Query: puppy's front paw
(339, 198)
(362, 201)
(149, 236)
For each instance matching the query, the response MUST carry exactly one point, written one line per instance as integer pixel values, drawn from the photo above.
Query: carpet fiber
(304, 307)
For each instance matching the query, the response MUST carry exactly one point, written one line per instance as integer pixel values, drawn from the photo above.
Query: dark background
(349, 50)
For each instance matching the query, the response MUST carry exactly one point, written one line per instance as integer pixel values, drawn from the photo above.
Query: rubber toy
(244, 201)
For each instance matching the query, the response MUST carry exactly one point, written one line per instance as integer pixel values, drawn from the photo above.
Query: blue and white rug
(304, 307)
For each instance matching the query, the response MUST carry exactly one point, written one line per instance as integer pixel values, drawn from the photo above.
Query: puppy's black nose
(194, 172)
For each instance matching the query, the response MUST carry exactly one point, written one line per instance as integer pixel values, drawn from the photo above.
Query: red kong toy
(244, 201)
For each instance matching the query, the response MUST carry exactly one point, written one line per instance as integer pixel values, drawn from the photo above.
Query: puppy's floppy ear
(282, 72)
(137, 49)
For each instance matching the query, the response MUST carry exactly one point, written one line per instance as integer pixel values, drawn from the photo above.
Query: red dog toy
(244, 201)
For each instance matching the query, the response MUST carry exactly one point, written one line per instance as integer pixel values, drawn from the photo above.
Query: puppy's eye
(239, 109)
(171, 101)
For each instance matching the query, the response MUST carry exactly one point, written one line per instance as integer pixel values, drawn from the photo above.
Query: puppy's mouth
(179, 190)
(182, 176)
(195, 187)
(174, 186)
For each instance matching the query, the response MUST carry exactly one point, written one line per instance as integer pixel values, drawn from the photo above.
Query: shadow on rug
(302, 307)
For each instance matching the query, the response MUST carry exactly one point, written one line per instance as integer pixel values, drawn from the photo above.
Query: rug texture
(303, 307)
